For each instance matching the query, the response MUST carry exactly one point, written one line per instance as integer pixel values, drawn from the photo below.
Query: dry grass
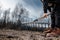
(23, 35)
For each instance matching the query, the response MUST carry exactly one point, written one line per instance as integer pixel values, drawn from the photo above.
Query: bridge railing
(39, 25)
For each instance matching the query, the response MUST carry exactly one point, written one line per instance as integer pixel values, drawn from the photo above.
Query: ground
(23, 35)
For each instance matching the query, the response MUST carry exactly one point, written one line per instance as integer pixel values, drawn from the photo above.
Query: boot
(49, 30)
(55, 32)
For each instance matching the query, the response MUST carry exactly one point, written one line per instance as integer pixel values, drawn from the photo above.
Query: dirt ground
(23, 35)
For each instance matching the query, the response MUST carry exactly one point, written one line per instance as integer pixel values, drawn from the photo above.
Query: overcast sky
(33, 6)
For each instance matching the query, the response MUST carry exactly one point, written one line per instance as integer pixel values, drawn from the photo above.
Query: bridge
(37, 24)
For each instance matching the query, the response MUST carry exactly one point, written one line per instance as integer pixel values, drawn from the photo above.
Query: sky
(34, 7)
